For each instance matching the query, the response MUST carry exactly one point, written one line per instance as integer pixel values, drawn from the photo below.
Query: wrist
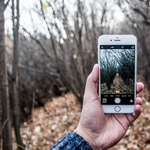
(87, 137)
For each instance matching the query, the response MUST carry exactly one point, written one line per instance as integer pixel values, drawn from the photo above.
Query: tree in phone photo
(108, 69)
(117, 71)
(126, 65)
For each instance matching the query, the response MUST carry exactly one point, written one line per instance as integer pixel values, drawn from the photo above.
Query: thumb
(91, 84)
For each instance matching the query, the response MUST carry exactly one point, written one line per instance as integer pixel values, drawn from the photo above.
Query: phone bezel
(118, 40)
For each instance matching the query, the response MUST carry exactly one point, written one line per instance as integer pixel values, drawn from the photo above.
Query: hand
(101, 130)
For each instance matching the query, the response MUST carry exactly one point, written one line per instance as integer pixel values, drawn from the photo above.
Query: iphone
(117, 59)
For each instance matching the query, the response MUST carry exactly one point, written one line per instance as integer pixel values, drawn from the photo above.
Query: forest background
(48, 48)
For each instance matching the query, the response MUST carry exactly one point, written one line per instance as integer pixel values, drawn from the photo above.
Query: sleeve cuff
(71, 141)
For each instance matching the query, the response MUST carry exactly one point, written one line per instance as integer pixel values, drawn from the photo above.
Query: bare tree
(14, 78)
(5, 129)
(108, 68)
(138, 13)
(75, 53)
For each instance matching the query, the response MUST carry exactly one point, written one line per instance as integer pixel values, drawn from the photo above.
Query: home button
(117, 108)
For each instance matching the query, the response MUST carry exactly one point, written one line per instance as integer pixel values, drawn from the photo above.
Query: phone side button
(117, 109)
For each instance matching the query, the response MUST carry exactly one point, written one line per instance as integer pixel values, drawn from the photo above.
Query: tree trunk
(0, 121)
(6, 129)
(14, 79)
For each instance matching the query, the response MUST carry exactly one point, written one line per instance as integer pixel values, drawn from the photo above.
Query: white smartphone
(117, 58)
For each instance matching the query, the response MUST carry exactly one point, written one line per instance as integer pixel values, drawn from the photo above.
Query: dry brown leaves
(61, 115)
(49, 123)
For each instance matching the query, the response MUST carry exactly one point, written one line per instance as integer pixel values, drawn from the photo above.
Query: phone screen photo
(117, 74)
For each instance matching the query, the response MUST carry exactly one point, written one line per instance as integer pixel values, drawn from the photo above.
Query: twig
(63, 94)
(38, 42)
(33, 100)
(20, 146)
(3, 126)
(6, 4)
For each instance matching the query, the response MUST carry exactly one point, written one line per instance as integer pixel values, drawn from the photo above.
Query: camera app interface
(117, 69)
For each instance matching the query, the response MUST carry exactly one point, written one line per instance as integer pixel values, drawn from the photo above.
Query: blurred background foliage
(58, 44)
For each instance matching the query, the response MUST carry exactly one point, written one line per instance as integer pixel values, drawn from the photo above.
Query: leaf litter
(61, 115)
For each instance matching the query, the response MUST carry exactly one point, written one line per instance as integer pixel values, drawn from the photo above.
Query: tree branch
(6, 4)
(38, 42)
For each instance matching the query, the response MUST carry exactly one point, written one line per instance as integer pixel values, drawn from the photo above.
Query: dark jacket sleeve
(71, 141)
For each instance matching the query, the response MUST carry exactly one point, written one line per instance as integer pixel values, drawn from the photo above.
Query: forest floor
(118, 83)
(61, 115)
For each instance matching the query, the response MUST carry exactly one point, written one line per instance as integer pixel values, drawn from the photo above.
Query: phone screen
(117, 70)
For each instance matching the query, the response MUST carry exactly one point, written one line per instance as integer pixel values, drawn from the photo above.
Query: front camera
(110, 40)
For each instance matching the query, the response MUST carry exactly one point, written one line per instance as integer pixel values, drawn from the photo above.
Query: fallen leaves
(61, 115)
(49, 123)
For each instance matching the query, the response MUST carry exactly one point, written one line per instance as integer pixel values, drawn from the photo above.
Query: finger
(139, 87)
(138, 101)
(91, 84)
(95, 73)
(137, 111)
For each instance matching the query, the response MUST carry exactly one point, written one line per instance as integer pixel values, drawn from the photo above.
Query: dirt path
(118, 86)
